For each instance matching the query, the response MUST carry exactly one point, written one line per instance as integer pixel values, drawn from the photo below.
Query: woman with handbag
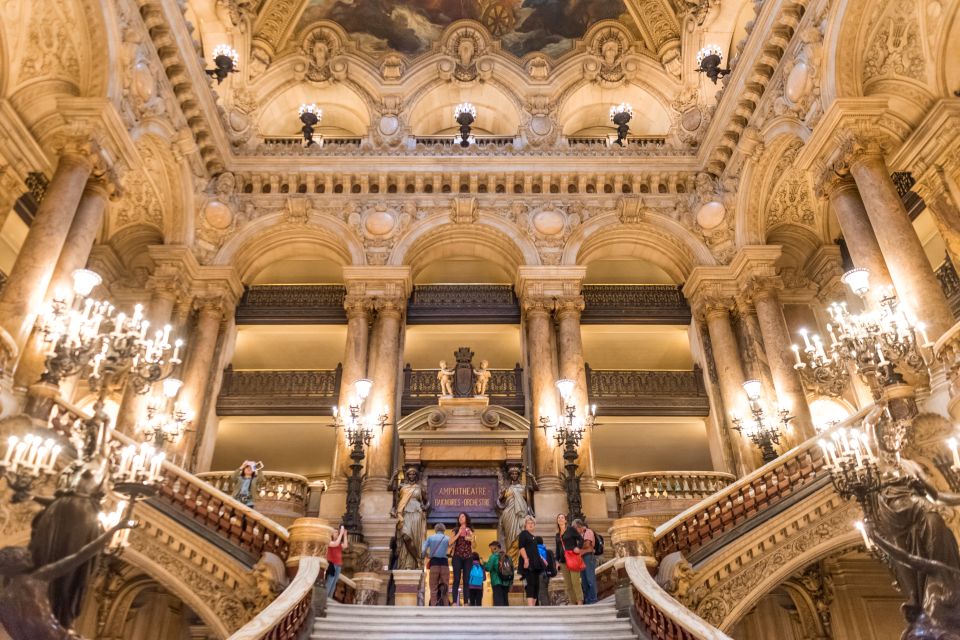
(569, 545)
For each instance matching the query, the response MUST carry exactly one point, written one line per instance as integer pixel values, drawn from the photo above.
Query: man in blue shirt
(435, 550)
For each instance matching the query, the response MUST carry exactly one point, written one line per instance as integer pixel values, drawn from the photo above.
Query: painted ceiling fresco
(411, 26)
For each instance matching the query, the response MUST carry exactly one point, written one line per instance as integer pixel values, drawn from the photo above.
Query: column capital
(80, 145)
(858, 145)
(536, 305)
(388, 306)
(358, 306)
(216, 306)
(835, 179)
(569, 306)
(709, 288)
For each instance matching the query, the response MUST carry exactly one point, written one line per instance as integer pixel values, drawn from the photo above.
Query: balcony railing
(660, 495)
(634, 304)
(648, 393)
(292, 304)
(463, 303)
(278, 393)
(421, 388)
(281, 496)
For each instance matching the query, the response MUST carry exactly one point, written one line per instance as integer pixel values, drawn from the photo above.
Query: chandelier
(225, 60)
(709, 60)
(165, 420)
(358, 433)
(465, 114)
(762, 431)
(310, 115)
(875, 342)
(620, 115)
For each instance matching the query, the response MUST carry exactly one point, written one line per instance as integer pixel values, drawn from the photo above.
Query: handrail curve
(796, 469)
(661, 616)
(284, 618)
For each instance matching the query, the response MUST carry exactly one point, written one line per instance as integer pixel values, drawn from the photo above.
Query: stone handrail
(662, 617)
(746, 498)
(272, 485)
(283, 619)
(672, 484)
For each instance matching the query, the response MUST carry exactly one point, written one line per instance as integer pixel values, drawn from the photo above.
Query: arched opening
(497, 112)
(344, 112)
(587, 111)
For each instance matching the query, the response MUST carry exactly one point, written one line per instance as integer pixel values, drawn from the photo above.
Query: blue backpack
(476, 576)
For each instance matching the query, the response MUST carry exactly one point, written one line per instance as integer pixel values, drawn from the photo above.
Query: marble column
(384, 370)
(543, 391)
(33, 269)
(358, 310)
(76, 250)
(726, 358)
(571, 366)
(159, 312)
(916, 285)
(777, 343)
(201, 347)
(862, 242)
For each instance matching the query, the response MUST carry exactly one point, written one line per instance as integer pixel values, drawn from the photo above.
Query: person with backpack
(500, 567)
(476, 580)
(531, 566)
(588, 576)
(568, 545)
(550, 571)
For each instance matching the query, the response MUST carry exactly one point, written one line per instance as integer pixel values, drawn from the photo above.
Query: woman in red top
(462, 544)
(335, 559)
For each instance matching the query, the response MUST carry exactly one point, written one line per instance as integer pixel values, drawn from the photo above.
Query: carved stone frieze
(896, 48)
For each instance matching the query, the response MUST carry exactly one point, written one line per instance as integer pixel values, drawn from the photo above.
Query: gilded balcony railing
(281, 496)
(421, 388)
(634, 304)
(652, 393)
(278, 392)
(292, 304)
(950, 284)
(660, 495)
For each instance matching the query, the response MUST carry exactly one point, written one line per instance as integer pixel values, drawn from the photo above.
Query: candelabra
(621, 115)
(568, 432)
(165, 420)
(225, 60)
(358, 434)
(853, 465)
(310, 115)
(764, 433)
(86, 337)
(875, 343)
(465, 114)
(709, 60)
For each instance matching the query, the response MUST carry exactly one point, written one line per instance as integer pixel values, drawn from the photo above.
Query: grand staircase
(363, 622)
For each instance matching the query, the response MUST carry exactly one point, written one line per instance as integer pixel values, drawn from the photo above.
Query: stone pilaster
(916, 285)
(936, 193)
(33, 269)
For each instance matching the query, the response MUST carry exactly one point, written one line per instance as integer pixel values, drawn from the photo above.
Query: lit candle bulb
(952, 443)
(922, 328)
(54, 454)
(796, 355)
(806, 339)
(11, 446)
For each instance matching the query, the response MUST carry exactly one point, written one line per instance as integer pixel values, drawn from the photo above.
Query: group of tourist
(574, 557)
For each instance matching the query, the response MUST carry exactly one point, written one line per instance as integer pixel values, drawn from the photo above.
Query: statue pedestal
(369, 584)
(471, 402)
(407, 582)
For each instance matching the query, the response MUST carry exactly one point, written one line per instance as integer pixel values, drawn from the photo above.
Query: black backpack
(551, 564)
(598, 548)
(505, 566)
